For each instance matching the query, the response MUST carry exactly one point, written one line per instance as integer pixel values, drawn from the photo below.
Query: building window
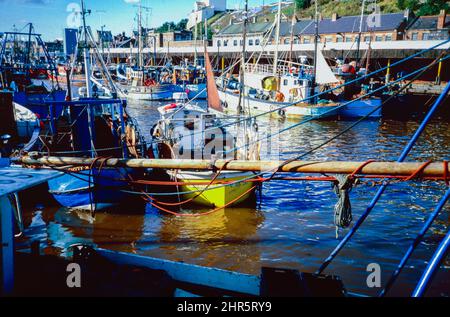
(349, 39)
(250, 42)
(219, 43)
(235, 43)
(426, 36)
(225, 43)
(306, 40)
(328, 39)
(388, 37)
(287, 41)
(378, 38)
(339, 39)
(367, 38)
(296, 40)
(415, 36)
(285, 82)
(241, 42)
(257, 42)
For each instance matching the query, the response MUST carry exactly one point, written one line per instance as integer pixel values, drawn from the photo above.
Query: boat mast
(86, 53)
(240, 107)
(277, 39)
(360, 31)
(140, 60)
(316, 46)
(195, 41)
(292, 34)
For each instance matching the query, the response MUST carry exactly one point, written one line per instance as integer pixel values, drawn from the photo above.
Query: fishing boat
(187, 131)
(95, 128)
(294, 90)
(147, 84)
(191, 79)
(20, 73)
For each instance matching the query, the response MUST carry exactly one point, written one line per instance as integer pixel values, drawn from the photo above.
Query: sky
(50, 17)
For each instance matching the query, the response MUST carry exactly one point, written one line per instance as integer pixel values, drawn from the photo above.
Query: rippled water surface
(292, 225)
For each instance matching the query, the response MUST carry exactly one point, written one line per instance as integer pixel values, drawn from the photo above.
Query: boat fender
(255, 127)
(170, 107)
(225, 104)
(282, 113)
(279, 97)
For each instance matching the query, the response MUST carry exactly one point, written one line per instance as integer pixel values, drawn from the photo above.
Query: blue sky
(50, 16)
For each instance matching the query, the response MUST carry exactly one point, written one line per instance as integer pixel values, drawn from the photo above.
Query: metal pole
(240, 107)
(381, 190)
(434, 264)
(316, 46)
(360, 31)
(277, 39)
(87, 63)
(415, 243)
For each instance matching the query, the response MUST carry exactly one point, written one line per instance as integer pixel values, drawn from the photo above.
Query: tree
(424, 7)
(302, 4)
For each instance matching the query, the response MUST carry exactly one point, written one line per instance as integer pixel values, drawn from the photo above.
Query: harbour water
(292, 224)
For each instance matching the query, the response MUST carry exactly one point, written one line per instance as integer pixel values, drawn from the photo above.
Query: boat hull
(196, 91)
(104, 191)
(230, 102)
(217, 195)
(362, 108)
(35, 102)
(159, 93)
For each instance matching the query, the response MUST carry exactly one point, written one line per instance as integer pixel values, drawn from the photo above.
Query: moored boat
(188, 131)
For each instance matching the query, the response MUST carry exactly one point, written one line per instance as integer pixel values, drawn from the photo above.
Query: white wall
(219, 5)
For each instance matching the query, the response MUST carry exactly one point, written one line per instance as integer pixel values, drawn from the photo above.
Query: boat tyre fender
(282, 113)
(225, 104)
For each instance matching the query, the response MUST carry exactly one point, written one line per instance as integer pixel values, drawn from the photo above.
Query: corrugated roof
(348, 24)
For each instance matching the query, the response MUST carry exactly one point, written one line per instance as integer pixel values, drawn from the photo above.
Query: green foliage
(424, 7)
(172, 26)
(302, 4)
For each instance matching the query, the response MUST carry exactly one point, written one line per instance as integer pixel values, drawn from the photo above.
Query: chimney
(334, 17)
(441, 20)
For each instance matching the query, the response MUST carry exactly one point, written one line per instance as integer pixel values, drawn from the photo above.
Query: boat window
(250, 42)
(257, 42)
(235, 43)
(225, 43)
(285, 82)
(219, 43)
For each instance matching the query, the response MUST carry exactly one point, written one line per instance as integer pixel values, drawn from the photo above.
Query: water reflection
(293, 227)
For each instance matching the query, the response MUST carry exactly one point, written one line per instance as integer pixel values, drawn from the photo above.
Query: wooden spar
(307, 167)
